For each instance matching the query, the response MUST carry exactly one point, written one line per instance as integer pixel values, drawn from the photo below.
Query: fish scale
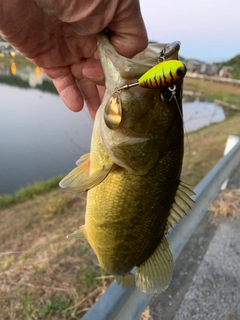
(147, 219)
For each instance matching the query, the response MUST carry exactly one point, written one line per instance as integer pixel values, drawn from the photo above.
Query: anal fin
(154, 275)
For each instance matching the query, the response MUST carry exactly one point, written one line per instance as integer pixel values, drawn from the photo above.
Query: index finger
(66, 86)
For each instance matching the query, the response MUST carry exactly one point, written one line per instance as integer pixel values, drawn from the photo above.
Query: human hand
(61, 38)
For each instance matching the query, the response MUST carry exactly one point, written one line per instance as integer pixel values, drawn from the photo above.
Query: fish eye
(166, 95)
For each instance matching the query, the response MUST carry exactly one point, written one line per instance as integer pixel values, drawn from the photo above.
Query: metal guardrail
(127, 304)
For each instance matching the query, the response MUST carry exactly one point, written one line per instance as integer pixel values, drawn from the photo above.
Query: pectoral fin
(79, 179)
(78, 174)
(154, 275)
(84, 159)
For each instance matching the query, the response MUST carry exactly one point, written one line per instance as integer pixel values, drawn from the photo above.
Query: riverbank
(43, 275)
(29, 192)
(204, 147)
(223, 92)
(19, 60)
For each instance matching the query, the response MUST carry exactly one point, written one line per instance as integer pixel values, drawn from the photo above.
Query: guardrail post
(231, 142)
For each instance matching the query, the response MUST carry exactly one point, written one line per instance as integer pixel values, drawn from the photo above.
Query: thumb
(128, 34)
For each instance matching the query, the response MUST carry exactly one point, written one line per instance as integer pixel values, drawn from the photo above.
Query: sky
(209, 30)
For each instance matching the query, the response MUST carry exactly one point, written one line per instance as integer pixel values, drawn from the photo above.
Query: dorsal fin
(182, 202)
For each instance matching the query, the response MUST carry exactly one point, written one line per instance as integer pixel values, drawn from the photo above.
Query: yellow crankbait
(164, 74)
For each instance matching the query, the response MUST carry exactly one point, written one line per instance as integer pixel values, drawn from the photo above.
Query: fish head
(136, 124)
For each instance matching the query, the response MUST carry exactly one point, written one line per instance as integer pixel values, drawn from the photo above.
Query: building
(225, 72)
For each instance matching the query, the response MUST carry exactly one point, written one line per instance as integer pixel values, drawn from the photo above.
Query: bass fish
(132, 174)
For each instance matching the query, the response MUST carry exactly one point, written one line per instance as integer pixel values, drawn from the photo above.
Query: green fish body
(132, 173)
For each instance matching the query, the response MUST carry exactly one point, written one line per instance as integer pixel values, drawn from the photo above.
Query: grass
(203, 148)
(29, 192)
(214, 91)
(43, 275)
(57, 304)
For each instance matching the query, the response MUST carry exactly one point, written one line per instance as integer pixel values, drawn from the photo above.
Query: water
(40, 138)
(198, 114)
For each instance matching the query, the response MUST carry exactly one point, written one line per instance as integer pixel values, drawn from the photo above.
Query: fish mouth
(120, 70)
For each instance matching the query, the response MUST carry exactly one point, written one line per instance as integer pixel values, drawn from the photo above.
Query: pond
(198, 114)
(40, 138)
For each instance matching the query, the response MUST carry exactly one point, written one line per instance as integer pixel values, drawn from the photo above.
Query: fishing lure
(164, 74)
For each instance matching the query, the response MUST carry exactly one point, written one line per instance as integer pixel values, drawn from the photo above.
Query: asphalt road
(206, 283)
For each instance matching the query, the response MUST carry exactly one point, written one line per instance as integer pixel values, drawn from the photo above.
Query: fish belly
(126, 215)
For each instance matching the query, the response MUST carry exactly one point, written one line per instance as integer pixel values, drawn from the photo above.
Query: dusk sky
(208, 30)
